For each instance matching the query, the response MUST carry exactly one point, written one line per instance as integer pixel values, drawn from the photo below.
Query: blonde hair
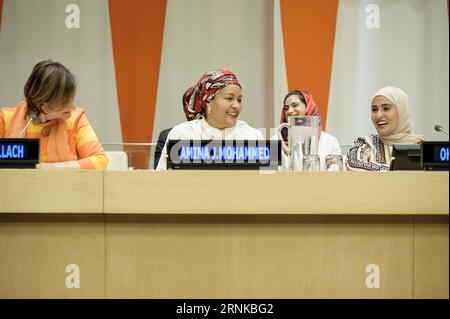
(49, 82)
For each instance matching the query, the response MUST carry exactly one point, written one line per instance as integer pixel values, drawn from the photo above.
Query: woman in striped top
(67, 140)
(392, 120)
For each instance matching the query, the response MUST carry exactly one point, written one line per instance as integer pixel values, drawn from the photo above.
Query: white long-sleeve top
(200, 130)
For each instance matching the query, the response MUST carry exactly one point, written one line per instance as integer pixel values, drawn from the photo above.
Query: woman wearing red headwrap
(213, 105)
(302, 103)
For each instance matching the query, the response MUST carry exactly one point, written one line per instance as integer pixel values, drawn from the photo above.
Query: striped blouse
(84, 145)
(369, 153)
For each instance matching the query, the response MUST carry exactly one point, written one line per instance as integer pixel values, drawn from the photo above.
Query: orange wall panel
(137, 28)
(308, 35)
(1, 9)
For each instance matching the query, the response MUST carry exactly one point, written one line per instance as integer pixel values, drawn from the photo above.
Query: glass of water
(311, 163)
(334, 163)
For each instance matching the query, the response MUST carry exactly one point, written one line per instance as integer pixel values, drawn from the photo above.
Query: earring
(209, 109)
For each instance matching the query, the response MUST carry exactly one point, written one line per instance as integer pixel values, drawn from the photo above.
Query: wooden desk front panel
(431, 256)
(200, 256)
(35, 250)
(180, 256)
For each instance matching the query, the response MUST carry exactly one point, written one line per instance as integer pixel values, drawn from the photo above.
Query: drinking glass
(311, 163)
(334, 163)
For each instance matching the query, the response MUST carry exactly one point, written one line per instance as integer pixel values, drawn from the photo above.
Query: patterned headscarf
(402, 133)
(311, 108)
(196, 97)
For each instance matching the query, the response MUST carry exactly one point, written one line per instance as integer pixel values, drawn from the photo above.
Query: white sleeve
(336, 148)
(285, 161)
(259, 135)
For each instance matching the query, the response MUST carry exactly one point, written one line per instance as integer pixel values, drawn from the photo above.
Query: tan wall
(410, 50)
(202, 35)
(34, 30)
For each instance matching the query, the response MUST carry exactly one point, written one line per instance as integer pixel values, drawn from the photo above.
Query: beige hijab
(402, 134)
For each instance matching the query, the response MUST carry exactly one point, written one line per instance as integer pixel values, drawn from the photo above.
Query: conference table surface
(223, 234)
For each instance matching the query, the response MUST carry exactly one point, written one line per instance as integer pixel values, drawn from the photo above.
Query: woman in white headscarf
(391, 117)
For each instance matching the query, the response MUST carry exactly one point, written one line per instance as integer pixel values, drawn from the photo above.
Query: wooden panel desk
(233, 235)
(49, 220)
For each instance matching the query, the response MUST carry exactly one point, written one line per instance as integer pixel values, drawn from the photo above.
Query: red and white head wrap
(311, 107)
(196, 97)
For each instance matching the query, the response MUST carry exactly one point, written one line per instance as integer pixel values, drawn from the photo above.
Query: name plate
(223, 154)
(435, 155)
(19, 152)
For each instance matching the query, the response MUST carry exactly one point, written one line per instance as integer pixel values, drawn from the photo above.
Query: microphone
(33, 119)
(440, 129)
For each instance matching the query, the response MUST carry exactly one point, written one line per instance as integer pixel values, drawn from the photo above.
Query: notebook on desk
(19, 152)
(224, 154)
